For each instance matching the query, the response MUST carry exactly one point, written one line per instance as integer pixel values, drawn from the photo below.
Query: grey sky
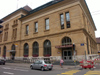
(8, 6)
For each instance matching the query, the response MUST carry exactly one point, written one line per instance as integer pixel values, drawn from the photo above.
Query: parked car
(42, 65)
(2, 62)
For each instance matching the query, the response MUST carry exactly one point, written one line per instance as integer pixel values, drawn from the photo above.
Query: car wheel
(42, 68)
(3, 63)
(31, 67)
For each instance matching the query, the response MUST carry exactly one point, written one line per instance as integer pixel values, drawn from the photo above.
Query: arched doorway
(67, 50)
(35, 49)
(47, 48)
(12, 53)
(26, 50)
(4, 52)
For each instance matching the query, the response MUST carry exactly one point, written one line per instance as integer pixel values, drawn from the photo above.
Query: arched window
(13, 47)
(35, 49)
(47, 48)
(26, 50)
(66, 41)
(4, 51)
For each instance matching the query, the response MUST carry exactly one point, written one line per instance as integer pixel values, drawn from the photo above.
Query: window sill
(26, 34)
(35, 33)
(46, 30)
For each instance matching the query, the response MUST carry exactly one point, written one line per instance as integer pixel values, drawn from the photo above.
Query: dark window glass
(62, 21)
(26, 50)
(47, 48)
(47, 24)
(4, 51)
(66, 41)
(27, 29)
(35, 49)
(88, 46)
(13, 47)
(68, 20)
(36, 26)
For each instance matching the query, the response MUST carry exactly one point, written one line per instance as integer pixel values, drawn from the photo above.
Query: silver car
(41, 64)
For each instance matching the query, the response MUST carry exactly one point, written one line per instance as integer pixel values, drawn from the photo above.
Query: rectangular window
(27, 29)
(47, 24)
(0, 38)
(36, 26)
(67, 20)
(62, 21)
(7, 36)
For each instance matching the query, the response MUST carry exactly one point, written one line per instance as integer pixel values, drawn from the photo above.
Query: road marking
(69, 72)
(20, 70)
(93, 73)
(6, 68)
(8, 73)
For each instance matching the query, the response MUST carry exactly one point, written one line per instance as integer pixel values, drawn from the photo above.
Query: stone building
(57, 29)
(98, 43)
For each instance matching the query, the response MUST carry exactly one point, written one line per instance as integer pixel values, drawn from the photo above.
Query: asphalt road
(17, 70)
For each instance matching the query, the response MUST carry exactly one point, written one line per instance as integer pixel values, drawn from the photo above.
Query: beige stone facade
(81, 31)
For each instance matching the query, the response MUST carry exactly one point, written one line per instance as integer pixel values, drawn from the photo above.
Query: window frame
(47, 25)
(62, 21)
(27, 30)
(36, 27)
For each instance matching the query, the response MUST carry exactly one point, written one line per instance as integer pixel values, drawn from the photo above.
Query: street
(19, 70)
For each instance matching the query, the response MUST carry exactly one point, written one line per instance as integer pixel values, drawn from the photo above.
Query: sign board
(82, 44)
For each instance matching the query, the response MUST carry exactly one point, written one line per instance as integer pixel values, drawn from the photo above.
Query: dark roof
(25, 8)
(98, 40)
(43, 6)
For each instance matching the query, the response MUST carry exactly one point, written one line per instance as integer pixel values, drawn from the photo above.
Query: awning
(11, 51)
(65, 46)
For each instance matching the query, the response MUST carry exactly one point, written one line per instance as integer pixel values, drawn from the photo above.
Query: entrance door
(67, 54)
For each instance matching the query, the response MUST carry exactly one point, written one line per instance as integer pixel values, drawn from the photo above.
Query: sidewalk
(54, 66)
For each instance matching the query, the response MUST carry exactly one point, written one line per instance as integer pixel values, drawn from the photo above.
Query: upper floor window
(5, 36)
(6, 26)
(47, 24)
(0, 38)
(67, 20)
(14, 34)
(27, 29)
(15, 22)
(62, 21)
(36, 26)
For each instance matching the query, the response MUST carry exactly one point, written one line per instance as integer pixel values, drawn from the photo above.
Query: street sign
(82, 44)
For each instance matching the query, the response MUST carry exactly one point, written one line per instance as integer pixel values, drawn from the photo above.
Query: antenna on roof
(17, 4)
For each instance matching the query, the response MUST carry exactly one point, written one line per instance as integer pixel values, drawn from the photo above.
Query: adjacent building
(98, 43)
(57, 29)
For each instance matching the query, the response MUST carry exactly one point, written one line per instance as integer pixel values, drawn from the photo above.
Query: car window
(37, 62)
(40, 62)
(47, 62)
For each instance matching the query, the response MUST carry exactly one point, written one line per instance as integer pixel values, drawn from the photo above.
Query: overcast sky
(8, 6)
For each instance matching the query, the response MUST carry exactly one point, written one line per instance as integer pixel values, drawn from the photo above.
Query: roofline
(14, 12)
(90, 14)
(41, 7)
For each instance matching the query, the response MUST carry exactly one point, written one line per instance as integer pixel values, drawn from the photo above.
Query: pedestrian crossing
(74, 72)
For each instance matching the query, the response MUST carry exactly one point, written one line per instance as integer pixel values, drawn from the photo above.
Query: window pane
(47, 24)
(62, 21)
(36, 27)
(68, 20)
(27, 29)
(67, 16)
